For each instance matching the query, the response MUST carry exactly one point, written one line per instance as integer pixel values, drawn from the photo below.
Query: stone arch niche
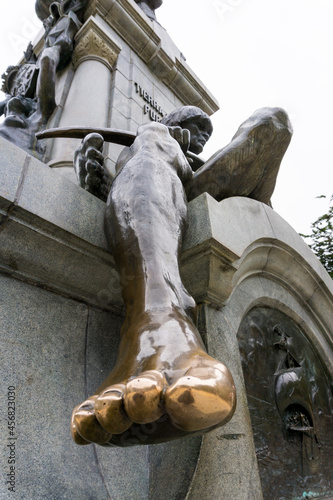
(290, 403)
(263, 285)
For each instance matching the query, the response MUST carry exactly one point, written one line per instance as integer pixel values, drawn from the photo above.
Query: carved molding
(93, 43)
(229, 256)
(155, 48)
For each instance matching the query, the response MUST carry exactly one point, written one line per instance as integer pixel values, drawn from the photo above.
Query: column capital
(92, 42)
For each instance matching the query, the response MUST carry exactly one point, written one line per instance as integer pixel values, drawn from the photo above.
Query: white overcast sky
(249, 53)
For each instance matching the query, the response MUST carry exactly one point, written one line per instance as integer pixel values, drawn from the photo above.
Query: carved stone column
(88, 99)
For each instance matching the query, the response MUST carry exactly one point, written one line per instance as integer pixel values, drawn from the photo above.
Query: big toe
(203, 398)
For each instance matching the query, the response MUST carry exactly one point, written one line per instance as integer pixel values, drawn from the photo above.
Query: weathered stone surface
(43, 357)
(53, 237)
(48, 196)
(86, 104)
(12, 161)
(93, 43)
(52, 217)
(227, 466)
(250, 245)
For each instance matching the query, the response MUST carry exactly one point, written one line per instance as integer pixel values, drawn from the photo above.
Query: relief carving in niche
(291, 405)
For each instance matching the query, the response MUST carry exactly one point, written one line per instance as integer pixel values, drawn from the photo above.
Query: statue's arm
(76, 6)
(231, 171)
(89, 162)
(89, 167)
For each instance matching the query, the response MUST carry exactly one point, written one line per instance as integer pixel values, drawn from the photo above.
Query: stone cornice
(154, 46)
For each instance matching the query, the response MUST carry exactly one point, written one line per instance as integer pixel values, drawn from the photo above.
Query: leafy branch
(322, 238)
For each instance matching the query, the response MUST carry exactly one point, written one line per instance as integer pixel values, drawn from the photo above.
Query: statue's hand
(182, 136)
(48, 23)
(89, 167)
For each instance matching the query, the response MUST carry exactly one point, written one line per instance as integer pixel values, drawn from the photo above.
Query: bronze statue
(149, 7)
(248, 165)
(30, 87)
(61, 25)
(164, 377)
(21, 123)
(22, 114)
(45, 8)
(289, 397)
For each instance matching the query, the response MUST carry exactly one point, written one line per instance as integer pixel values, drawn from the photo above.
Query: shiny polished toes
(85, 424)
(203, 398)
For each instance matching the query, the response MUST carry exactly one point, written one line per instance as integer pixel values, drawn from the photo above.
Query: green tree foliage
(322, 238)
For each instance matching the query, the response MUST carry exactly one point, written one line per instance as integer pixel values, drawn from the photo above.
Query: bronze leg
(249, 164)
(46, 82)
(163, 374)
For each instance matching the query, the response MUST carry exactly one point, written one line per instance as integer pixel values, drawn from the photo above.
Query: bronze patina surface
(149, 7)
(164, 377)
(30, 87)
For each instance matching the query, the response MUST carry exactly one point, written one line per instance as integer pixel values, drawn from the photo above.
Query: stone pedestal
(126, 71)
(60, 303)
(61, 312)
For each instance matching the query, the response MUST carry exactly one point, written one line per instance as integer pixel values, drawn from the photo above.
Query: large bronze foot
(164, 384)
(178, 388)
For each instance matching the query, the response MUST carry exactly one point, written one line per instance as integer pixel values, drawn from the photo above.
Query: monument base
(61, 313)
